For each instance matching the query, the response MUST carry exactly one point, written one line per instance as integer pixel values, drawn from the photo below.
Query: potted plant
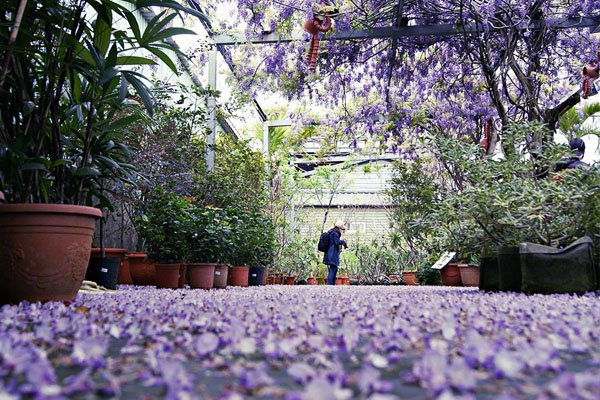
(211, 242)
(297, 257)
(515, 200)
(65, 77)
(165, 226)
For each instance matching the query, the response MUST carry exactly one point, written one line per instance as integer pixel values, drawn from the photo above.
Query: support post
(211, 104)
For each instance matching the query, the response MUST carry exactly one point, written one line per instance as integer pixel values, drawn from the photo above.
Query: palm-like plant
(64, 88)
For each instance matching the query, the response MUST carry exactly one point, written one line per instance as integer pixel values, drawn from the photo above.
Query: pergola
(400, 27)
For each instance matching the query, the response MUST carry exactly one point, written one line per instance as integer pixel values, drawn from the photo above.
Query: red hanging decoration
(314, 26)
(486, 140)
(590, 73)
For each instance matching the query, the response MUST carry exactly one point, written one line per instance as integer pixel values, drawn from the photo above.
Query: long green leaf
(123, 89)
(33, 166)
(133, 24)
(170, 32)
(173, 5)
(87, 171)
(134, 60)
(155, 25)
(102, 31)
(164, 58)
(124, 122)
(141, 89)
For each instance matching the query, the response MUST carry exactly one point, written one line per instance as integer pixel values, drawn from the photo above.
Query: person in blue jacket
(332, 255)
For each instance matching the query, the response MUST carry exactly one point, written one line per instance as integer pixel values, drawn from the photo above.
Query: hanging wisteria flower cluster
(303, 342)
(517, 64)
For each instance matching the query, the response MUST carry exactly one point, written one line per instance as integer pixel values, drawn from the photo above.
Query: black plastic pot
(103, 271)
(550, 270)
(489, 279)
(509, 269)
(255, 277)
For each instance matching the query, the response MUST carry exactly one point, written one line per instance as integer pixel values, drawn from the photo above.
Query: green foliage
(253, 238)
(211, 237)
(238, 180)
(235, 195)
(413, 194)
(165, 225)
(65, 82)
(428, 276)
(169, 144)
(299, 256)
(509, 201)
(374, 261)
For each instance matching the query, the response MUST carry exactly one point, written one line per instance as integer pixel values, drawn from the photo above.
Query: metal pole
(211, 103)
(266, 126)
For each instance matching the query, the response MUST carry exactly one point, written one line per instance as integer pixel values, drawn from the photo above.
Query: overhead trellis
(426, 62)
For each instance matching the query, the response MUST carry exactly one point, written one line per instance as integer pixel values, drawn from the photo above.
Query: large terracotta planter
(221, 274)
(182, 276)
(123, 276)
(469, 274)
(409, 278)
(167, 276)
(311, 280)
(201, 275)
(141, 268)
(238, 276)
(44, 250)
(451, 275)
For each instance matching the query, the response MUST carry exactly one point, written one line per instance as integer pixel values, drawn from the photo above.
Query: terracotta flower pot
(289, 280)
(410, 278)
(277, 279)
(167, 276)
(116, 253)
(238, 276)
(311, 280)
(44, 250)
(124, 277)
(345, 280)
(451, 275)
(269, 280)
(469, 274)
(182, 276)
(201, 275)
(141, 268)
(338, 281)
(221, 274)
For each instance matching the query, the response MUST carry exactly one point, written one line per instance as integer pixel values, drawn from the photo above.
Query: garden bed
(313, 342)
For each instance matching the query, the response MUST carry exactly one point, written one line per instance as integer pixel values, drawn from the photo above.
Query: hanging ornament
(590, 73)
(486, 140)
(313, 26)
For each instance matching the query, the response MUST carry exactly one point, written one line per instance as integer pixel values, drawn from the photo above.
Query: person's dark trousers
(332, 274)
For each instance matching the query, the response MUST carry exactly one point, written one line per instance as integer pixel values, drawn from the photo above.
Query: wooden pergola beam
(440, 30)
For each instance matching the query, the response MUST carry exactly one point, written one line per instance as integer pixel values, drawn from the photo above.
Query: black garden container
(548, 269)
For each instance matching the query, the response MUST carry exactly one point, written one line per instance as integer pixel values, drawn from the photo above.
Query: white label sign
(104, 269)
(444, 260)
